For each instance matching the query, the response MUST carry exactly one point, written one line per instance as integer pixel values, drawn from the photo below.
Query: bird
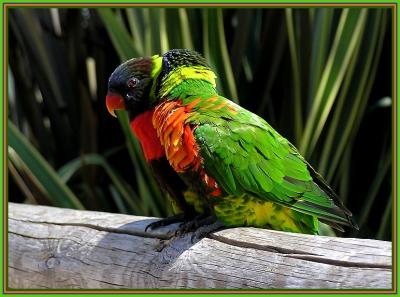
(221, 165)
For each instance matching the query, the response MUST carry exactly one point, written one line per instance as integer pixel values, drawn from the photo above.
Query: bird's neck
(192, 87)
(168, 79)
(142, 127)
(193, 78)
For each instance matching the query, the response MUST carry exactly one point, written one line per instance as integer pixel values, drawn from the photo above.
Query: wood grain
(62, 248)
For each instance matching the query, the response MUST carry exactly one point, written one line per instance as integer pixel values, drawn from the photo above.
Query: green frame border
(199, 4)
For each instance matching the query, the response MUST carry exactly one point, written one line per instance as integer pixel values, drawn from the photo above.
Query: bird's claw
(190, 226)
(205, 230)
(166, 221)
(201, 226)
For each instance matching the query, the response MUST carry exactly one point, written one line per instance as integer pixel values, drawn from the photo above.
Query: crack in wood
(273, 249)
(22, 270)
(319, 259)
(295, 254)
(103, 229)
(108, 283)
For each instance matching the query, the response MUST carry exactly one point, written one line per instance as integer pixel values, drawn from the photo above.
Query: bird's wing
(244, 154)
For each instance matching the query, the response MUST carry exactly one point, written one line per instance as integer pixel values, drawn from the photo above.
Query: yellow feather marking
(248, 211)
(277, 217)
(183, 73)
(157, 65)
(262, 212)
(155, 71)
(197, 202)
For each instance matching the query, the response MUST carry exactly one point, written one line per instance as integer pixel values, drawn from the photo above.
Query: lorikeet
(214, 157)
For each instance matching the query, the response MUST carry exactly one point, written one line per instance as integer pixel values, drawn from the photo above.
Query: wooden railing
(62, 248)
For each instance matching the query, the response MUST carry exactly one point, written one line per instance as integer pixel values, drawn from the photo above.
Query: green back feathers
(247, 156)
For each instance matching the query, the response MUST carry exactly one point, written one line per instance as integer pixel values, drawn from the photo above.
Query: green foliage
(317, 75)
(27, 159)
(123, 194)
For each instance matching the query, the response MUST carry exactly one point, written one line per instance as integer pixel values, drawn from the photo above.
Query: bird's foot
(194, 224)
(205, 230)
(180, 217)
(201, 226)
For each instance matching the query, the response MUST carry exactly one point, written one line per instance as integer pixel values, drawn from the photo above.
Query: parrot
(221, 165)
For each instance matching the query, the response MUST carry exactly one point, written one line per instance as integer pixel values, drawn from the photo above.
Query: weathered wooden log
(62, 248)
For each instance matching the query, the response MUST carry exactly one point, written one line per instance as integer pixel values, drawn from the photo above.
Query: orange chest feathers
(163, 131)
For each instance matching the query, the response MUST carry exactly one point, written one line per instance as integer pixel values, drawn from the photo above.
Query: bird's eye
(132, 82)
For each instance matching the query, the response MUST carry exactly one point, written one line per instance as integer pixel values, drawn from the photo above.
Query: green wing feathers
(246, 155)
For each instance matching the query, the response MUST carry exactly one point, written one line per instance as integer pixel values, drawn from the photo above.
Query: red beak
(114, 102)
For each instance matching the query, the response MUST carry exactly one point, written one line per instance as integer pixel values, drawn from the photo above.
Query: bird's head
(139, 84)
(131, 83)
